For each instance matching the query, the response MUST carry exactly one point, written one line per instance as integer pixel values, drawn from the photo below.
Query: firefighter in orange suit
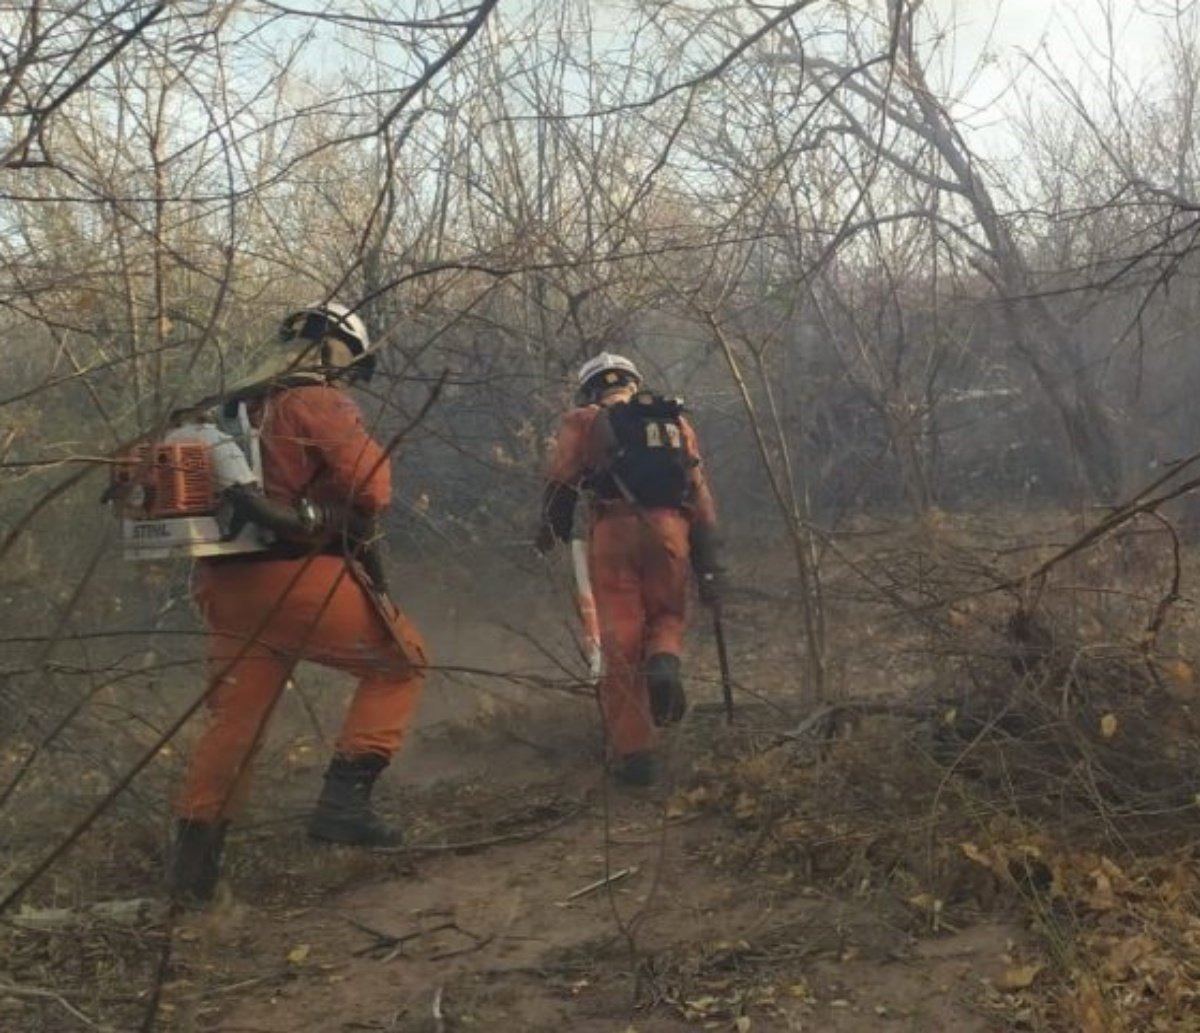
(633, 454)
(308, 597)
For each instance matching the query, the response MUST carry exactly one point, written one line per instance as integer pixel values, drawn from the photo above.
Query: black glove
(558, 516)
(545, 540)
(706, 564)
(710, 585)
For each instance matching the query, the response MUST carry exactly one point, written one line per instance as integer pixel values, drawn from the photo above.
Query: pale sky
(1066, 24)
(1076, 35)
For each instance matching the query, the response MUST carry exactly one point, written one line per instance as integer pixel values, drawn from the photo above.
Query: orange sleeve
(704, 508)
(569, 457)
(355, 469)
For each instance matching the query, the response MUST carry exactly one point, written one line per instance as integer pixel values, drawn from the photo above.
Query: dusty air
(615, 517)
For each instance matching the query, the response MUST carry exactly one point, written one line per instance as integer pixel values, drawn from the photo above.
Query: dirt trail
(488, 940)
(315, 939)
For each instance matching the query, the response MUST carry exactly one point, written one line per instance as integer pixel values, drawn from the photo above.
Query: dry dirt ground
(499, 917)
(506, 936)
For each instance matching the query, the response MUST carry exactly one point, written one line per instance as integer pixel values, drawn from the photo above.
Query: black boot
(196, 862)
(344, 813)
(667, 700)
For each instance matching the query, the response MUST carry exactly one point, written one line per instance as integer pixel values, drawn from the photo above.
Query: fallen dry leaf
(1102, 898)
(746, 806)
(1092, 1014)
(699, 1007)
(1126, 953)
(973, 853)
(1019, 977)
(1180, 672)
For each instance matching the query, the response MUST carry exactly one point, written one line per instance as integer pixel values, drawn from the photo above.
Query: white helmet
(592, 374)
(345, 350)
(345, 342)
(330, 319)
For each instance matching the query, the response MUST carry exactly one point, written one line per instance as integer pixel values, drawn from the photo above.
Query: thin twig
(33, 991)
(438, 1018)
(607, 880)
(478, 945)
(392, 942)
(488, 841)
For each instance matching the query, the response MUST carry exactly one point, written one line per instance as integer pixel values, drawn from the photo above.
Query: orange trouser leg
(389, 679)
(640, 571)
(665, 575)
(615, 555)
(239, 706)
(307, 609)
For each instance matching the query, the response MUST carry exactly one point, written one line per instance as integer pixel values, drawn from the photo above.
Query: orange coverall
(265, 613)
(639, 563)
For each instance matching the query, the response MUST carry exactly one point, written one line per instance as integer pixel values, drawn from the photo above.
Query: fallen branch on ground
(522, 836)
(50, 995)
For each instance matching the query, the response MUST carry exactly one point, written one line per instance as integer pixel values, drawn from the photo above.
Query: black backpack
(647, 456)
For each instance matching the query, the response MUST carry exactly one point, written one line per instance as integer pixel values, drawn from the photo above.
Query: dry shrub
(1048, 769)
